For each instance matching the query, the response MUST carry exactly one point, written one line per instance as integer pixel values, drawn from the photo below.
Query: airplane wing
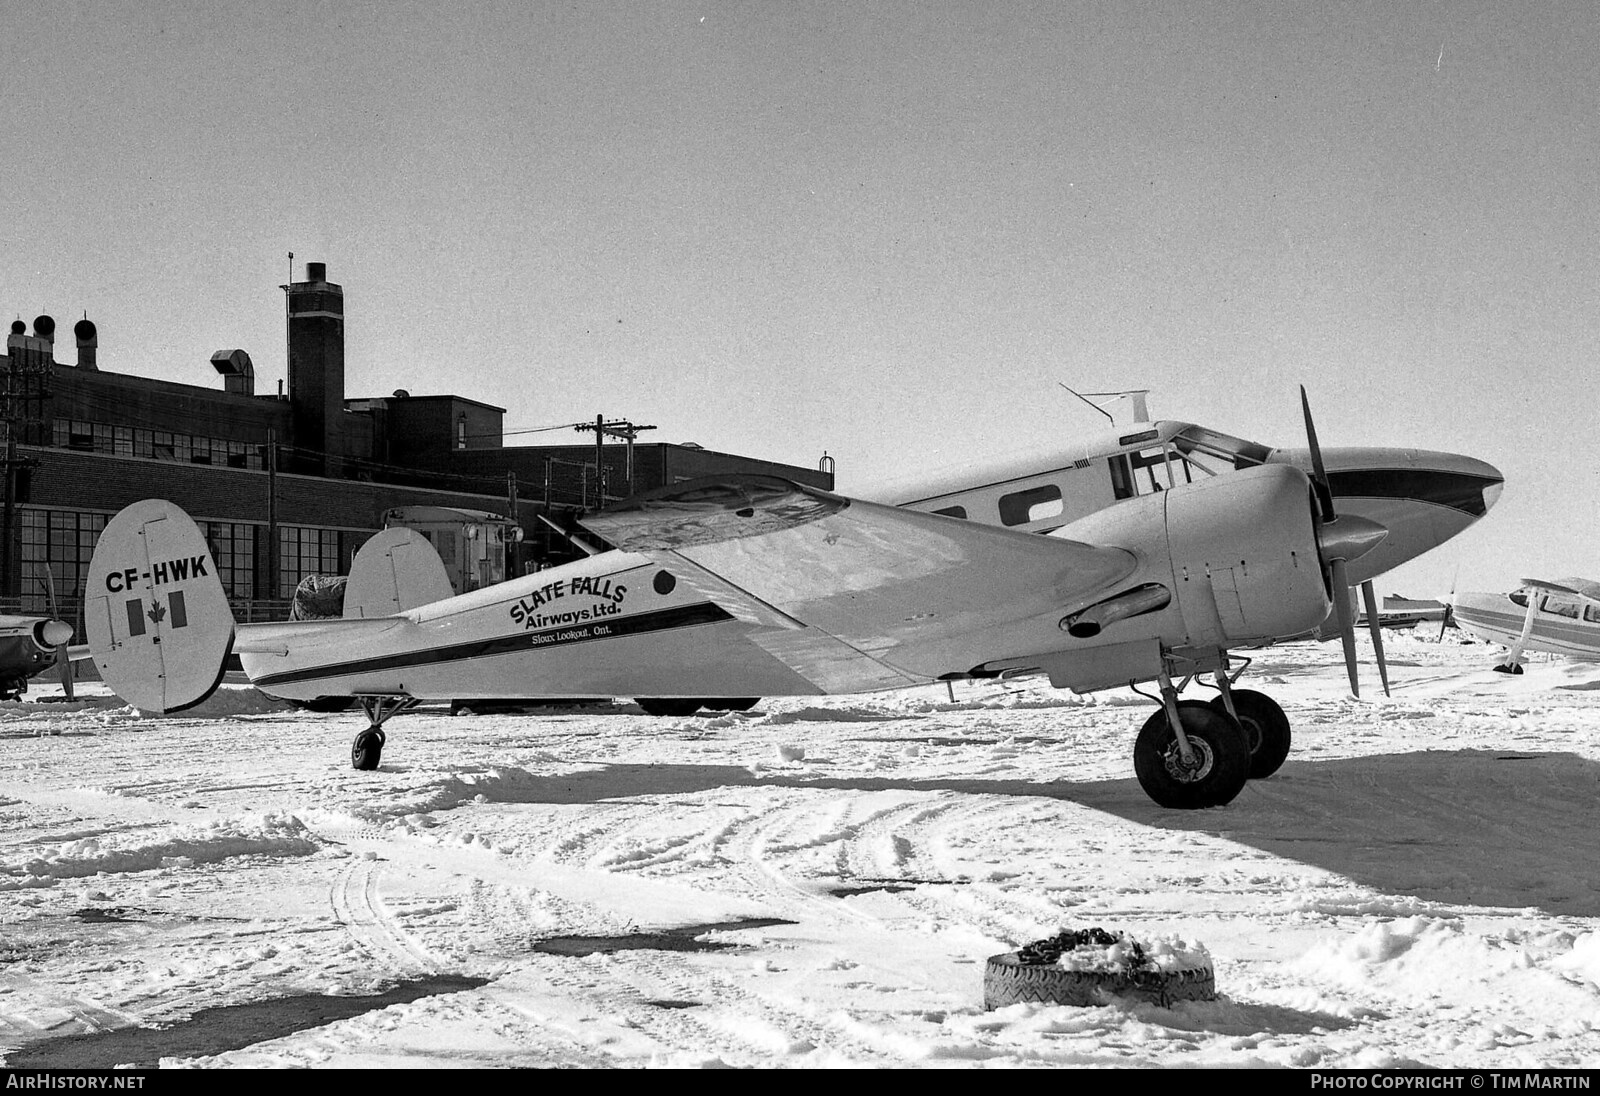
(843, 588)
(1553, 587)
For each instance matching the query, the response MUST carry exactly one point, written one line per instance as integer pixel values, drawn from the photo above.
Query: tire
(1009, 981)
(1221, 754)
(1265, 726)
(740, 704)
(673, 706)
(367, 750)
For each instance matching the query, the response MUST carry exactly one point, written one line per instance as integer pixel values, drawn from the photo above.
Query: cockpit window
(1519, 598)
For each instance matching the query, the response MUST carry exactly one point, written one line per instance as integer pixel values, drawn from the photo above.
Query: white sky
(886, 231)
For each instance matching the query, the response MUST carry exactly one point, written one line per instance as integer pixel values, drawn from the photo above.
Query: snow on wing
(878, 578)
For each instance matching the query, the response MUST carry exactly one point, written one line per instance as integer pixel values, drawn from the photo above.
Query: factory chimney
(316, 363)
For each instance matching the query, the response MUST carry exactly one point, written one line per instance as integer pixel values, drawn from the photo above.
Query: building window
(461, 432)
(233, 549)
(60, 542)
(303, 551)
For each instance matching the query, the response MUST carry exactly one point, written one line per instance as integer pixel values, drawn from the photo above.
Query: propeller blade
(63, 663)
(1447, 618)
(1319, 477)
(1347, 624)
(1375, 626)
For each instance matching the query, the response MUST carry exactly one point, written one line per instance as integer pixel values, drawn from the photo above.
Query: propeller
(58, 632)
(1449, 616)
(1341, 539)
(1375, 624)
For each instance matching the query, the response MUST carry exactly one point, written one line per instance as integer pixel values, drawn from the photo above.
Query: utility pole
(617, 428)
(513, 536)
(272, 513)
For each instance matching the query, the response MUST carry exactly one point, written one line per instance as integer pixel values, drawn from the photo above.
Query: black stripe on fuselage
(683, 616)
(1458, 490)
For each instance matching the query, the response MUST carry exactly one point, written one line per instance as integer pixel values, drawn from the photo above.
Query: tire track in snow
(357, 901)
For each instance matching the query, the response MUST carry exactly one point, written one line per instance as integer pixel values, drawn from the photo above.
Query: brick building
(284, 484)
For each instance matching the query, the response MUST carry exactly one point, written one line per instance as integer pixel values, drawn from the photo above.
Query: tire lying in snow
(1093, 967)
(1009, 981)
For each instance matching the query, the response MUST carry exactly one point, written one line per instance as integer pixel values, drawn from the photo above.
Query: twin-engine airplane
(720, 590)
(29, 645)
(1561, 618)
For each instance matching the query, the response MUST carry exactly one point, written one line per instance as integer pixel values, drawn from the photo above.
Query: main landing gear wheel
(667, 705)
(1221, 762)
(367, 750)
(1266, 729)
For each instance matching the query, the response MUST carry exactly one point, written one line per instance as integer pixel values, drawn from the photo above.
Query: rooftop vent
(88, 341)
(238, 375)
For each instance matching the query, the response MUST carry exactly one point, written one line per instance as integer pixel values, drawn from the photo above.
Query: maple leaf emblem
(156, 614)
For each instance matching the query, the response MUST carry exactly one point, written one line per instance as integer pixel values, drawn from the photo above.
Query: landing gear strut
(367, 749)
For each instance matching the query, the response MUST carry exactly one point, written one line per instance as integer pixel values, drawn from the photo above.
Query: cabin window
(953, 512)
(1121, 477)
(1591, 613)
(1033, 504)
(1561, 608)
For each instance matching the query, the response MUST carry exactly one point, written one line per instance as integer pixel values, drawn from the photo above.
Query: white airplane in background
(728, 588)
(31, 644)
(1561, 618)
(28, 646)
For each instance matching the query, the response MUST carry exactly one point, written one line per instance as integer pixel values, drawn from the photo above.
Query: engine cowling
(1238, 554)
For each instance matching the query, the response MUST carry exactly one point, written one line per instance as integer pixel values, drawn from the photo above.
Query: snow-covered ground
(811, 883)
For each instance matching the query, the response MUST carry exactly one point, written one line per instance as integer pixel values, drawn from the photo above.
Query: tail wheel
(367, 750)
(672, 706)
(1219, 769)
(1265, 726)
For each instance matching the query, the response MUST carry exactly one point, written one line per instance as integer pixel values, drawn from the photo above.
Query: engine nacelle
(1236, 553)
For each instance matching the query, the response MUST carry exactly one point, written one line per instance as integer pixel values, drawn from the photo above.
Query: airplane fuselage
(1570, 627)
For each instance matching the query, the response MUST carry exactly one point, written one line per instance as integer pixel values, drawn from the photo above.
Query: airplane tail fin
(158, 622)
(397, 569)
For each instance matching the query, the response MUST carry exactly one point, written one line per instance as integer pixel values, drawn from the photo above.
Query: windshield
(1212, 452)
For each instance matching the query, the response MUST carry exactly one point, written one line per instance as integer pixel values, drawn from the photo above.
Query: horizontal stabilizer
(278, 638)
